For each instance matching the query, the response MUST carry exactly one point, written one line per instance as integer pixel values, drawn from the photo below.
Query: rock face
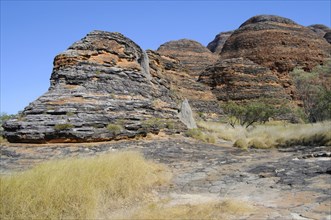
(183, 85)
(193, 56)
(319, 29)
(217, 44)
(101, 89)
(256, 59)
(240, 79)
(277, 43)
(327, 37)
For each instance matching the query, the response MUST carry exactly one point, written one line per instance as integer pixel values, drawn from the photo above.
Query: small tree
(250, 113)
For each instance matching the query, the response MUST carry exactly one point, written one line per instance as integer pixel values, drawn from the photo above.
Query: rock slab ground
(292, 183)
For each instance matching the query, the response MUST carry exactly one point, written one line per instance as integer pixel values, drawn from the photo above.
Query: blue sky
(34, 32)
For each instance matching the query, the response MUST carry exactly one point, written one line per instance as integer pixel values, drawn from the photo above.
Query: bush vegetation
(79, 188)
(115, 129)
(246, 114)
(61, 127)
(272, 134)
(196, 133)
(314, 90)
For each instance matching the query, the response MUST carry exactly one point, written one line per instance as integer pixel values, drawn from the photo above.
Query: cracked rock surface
(291, 183)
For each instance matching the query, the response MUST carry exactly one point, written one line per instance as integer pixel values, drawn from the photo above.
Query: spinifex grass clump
(272, 135)
(78, 188)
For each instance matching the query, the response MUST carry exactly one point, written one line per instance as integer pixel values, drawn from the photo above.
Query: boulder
(186, 115)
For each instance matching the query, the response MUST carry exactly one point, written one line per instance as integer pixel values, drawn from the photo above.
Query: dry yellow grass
(79, 188)
(273, 134)
(209, 210)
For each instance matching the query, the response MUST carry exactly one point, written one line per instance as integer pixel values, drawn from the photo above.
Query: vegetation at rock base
(158, 124)
(314, 91)
(115, 129)
(61, 127)
(196, 133)
(246, 114)
(272, 135)
(3, 118)
(79, 188)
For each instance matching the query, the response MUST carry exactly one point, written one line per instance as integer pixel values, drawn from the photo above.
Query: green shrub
(115, 129)
(313, 88)
(61, 127)
(252, 112)
(153, 123)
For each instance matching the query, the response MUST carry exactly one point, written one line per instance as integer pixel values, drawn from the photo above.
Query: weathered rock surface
(186, 115)
(277, 43)
(319, 29)
(278, 183)
(193, 55)
(327, 37)
(241, 79)
(101, 89)
(217, 44)
(183, 85)
(275, 46)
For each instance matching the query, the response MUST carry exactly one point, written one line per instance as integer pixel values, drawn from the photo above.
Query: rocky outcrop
(101, 89)
(327, 37)
(319, 29)
(193, 55)
(277, 43)
(217, 44)
(240, 79)
(183, 85)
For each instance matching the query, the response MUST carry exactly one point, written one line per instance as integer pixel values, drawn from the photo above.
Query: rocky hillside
(256, 59)
(101, 89)
(277, 43)
(193, 55)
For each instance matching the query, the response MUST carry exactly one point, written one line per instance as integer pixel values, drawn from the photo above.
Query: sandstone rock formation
(277, 43)
(271, 43)
(217, 44)
(193, 56)
(183, 85)
(101, 89)
(240, 79)
(327, 37)
(319, 29)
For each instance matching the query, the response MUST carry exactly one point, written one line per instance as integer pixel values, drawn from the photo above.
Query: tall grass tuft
(78, 188)
(273, 134)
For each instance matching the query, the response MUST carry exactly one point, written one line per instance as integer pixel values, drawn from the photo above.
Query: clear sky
(34, 32)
